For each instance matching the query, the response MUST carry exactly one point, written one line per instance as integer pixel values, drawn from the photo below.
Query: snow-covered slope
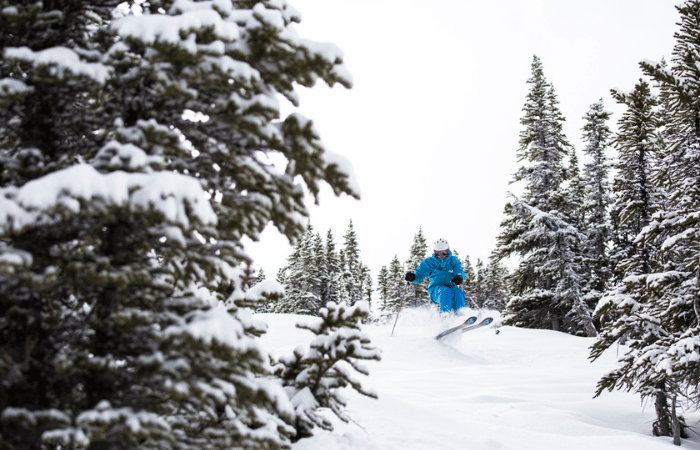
(518, 389)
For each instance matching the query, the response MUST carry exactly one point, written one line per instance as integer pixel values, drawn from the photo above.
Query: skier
(445, 273)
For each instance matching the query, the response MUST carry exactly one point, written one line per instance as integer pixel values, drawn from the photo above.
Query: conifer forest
(134, 145)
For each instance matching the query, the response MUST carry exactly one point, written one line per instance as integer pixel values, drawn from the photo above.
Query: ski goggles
(442, 253)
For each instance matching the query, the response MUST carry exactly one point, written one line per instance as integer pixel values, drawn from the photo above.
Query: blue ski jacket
(439, 272)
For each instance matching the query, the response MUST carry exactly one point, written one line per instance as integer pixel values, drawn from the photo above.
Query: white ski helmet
(441, 244)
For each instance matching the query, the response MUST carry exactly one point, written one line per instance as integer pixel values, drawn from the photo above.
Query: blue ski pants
(449, 298)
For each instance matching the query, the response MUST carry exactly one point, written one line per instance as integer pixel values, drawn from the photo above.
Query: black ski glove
(457, 279)
(410, 276)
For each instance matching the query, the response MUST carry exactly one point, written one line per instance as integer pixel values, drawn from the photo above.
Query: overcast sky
(431, 124)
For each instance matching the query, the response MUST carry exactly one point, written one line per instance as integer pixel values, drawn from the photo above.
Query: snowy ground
(519, 389)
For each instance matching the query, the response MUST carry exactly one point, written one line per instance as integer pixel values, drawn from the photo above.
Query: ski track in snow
(519, 389)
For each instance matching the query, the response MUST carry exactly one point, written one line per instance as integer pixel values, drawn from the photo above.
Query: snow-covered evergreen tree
(320, 265)
(367, 285)
(313, 378)
(663, 280)
(543, 145)
(396, 284)
(341, 279)
(666, 133)
(623, 310)
(546, 285)
(547, 295)
(478, 294)
(632, 210)
(596, 223)
(266, 305)
(333, 270)
(315, 274)
(495, 288)
(352, 268)
(383, 287)
(133, 153)
(573, 211)
(417, 294)
(636, 197)
(489, 289)
(280, 275)
(470, 275)
(469, 283)
(304, 276)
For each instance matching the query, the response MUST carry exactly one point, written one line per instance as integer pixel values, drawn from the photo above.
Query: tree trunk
(675, 424)
(556, 326)
(590, 328)
(662, 425)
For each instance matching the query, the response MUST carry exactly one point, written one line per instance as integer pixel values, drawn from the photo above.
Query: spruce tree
(288, 274)
(341, 279)
(573, 211)
(303, 278)
(332, 270)
(665, 156)
(479, 292)
(313, 378)
(547, 295)
(281, 275)
(664, 281)
(596, 204)
(469, 283)
(367, 285)
(134, 159)
(396, 284)
(624, 310)
(383, 287)
(266, 305)
(636, 197)
(352, 276)
(417, 293)
(321, 275)
(496, 291)
(543, 146)
(546, 285)
(632, 210)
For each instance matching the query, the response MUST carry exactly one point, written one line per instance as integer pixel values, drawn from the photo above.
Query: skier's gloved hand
(457, 279)
(410, 276)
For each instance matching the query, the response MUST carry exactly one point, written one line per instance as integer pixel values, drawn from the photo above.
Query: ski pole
(471, 300)
(400, 306)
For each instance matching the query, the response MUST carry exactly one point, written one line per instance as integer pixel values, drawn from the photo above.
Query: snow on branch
(178, 198)
(338, 166)
(178, 30)
(61, 62)
(212, 325)
(13, 88)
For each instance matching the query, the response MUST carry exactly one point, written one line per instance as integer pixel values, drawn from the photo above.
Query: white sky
(431, 124)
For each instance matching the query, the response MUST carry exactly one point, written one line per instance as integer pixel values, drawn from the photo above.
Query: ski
(483, 323)
(468, 322)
